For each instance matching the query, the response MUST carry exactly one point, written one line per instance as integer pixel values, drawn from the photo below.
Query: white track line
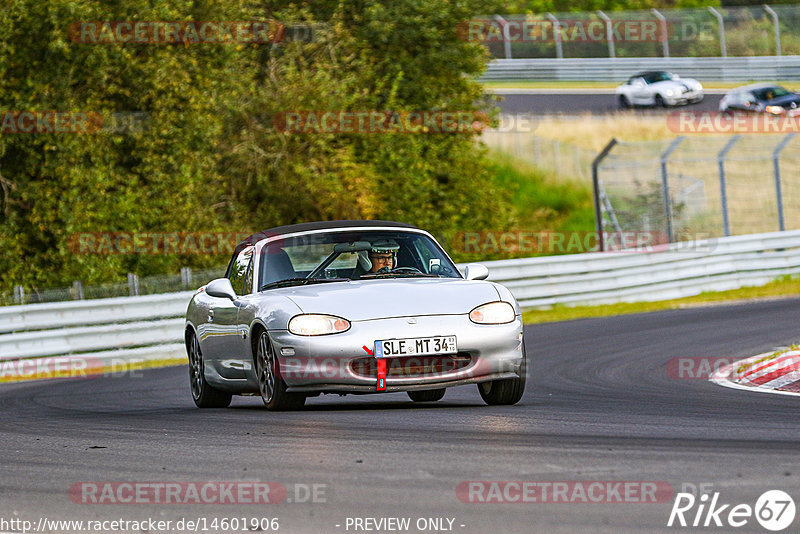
(720, 377)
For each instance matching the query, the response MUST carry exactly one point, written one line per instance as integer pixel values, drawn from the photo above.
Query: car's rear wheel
(203, 394)
(429, 395)
(624, 103)
(270, 384)
(508, 390)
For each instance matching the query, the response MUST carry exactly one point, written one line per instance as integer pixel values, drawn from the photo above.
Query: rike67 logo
(774, 510)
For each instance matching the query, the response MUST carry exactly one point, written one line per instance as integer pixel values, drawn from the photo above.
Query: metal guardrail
(89, 338)
(151, 327)
(684, 269)
(732, 69)
(92, 312)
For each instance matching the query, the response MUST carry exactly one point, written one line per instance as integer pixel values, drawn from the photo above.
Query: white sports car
(351, 307)
(658, 88)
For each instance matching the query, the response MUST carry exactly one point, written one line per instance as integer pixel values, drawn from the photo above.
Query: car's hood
(678, 85)
(399, 297)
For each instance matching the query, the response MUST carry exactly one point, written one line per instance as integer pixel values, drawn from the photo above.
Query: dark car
(761, 98)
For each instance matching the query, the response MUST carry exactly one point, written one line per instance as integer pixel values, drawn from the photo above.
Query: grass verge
(786, 286)
(540, 203)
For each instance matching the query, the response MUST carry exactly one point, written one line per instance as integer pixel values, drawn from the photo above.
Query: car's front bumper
(682, 99)
(335, 362)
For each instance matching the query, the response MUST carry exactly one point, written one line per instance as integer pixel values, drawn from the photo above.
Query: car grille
(412, 366)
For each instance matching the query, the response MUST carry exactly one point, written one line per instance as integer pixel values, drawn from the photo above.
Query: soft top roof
(318, 225)
(646, 72)
(754, 86)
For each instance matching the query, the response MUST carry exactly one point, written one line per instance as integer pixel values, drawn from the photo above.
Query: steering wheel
(405, 270)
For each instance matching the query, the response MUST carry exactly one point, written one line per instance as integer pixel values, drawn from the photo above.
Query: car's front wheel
(507, 390)
(429, 395)
(624, 103)
(660, 102)
(270, 384)
(203, 394)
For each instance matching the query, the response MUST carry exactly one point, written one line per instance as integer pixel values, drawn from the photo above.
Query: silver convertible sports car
(351, 307)
(658, 88)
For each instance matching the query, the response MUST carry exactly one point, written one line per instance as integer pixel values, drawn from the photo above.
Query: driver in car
(382, 257)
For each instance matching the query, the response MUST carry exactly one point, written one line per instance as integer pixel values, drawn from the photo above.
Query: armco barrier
(733, 69)
(151, 327)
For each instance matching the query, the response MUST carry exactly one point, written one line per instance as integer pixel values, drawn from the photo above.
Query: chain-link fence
(701, 32)
(694, 187)
(187, 279)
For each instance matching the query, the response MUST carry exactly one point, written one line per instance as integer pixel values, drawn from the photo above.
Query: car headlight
(493, 313)
(313, 324)
(669, 92)
(775, 110)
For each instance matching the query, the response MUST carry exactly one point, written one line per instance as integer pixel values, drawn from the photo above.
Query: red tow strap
(381, 363)
(381, 375)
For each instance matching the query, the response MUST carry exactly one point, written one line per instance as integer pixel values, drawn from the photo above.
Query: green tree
(210, 157)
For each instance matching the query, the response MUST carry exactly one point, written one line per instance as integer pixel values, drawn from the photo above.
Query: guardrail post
(77, 290)
(777, 28)
(776, 166)
(133, 284)
(665, 186)
(722, 188)
(19, 295)
(556, 34)
(722, 46)
(664, 33)
(186, 276)
(609, 33)
(598, 207)
(506, 36)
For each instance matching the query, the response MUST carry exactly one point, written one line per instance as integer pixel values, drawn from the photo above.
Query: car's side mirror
(476, 271)
(222, 288)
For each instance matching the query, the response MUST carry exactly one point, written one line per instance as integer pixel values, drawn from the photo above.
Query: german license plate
(416, 346)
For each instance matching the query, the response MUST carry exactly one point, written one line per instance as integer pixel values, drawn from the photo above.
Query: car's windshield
(349, 255)
(770, 93)
(653, 77)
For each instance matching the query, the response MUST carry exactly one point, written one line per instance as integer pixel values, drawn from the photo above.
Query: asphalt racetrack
(571, 102)
(599, 407)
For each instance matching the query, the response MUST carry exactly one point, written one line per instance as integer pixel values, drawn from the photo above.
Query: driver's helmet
(386, 246)
(379, 246)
